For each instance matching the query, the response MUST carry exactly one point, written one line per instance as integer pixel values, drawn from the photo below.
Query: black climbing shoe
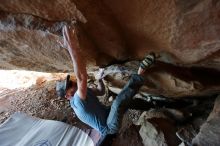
(148, 61)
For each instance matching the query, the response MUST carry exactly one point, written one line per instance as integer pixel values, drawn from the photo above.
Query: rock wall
(166, 79)
(209, 133)
(186, 34)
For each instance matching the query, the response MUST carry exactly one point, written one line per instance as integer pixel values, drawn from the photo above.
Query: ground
(40, 100)
(35, 95)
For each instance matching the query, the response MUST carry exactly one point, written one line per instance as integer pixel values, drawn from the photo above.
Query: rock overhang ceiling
(184, 33)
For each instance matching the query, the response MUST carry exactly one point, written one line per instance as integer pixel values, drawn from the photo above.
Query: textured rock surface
(187, 31)
(184, 33)
(210, 131)
(166, 79)
(157, 130)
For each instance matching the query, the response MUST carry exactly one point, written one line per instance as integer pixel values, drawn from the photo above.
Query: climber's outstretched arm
(79, 65)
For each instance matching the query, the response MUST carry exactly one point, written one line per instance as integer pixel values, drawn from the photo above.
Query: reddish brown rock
(183, 33)
(54, 10)
(187, 32)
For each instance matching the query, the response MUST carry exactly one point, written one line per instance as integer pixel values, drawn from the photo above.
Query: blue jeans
(120, 105)
(122, 102)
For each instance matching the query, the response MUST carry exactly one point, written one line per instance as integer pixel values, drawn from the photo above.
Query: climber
(83, 100)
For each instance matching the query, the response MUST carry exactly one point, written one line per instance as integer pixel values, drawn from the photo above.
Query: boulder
(165, 79)
(184, 34)
(121, 30)
(157, 129)
(210, 131)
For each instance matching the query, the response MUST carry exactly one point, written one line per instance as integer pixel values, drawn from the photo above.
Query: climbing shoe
(148, 61)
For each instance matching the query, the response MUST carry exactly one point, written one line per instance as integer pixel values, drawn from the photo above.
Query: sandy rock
(120, 30)
(210, 131)
(151, 136)
(129, 137)
(157, 130)
(52, 10)
(185, 34)
(165, 79)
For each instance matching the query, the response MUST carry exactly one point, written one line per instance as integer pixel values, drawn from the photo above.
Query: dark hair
(71, 84)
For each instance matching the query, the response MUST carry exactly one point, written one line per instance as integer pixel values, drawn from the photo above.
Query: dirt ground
(39, 101)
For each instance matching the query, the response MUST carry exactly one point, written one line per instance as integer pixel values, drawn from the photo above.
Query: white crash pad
(23, 130)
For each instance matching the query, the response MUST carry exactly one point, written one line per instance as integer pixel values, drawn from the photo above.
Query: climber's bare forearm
(80, 72)
(78, 63)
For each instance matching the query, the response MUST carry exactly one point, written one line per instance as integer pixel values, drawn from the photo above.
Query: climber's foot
(147, 62)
